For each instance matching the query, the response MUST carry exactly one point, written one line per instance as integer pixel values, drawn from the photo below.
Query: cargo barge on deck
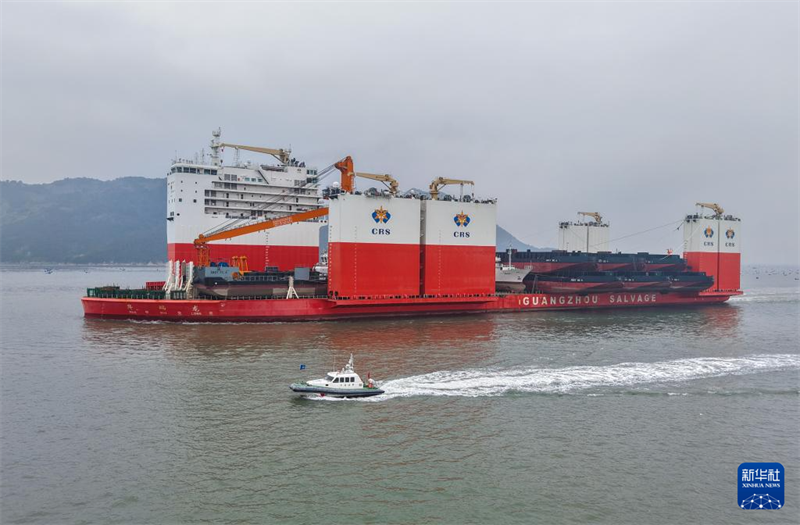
(391, 254)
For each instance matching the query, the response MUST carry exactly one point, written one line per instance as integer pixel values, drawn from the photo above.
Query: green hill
(84, 221)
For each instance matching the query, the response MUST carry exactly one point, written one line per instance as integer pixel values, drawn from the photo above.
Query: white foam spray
(777, 295)
(494, 382)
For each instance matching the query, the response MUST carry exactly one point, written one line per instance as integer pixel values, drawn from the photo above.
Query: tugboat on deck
(508, 278)
(344, 383)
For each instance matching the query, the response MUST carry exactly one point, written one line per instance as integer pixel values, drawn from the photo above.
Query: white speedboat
(344, 383)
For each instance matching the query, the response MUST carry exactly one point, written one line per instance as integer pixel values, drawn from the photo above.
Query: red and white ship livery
(390, 254)
(205, 195)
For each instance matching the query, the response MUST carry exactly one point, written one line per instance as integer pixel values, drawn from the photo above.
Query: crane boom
(281, 154)
(593, 214)
(440, 182)
(387, 179)
(201, 243)
(718, 211)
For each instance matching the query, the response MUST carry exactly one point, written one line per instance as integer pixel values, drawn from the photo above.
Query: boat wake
(493, 382)
(782, 295)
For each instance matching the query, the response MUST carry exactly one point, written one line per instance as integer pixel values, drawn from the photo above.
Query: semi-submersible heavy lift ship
(390, 254)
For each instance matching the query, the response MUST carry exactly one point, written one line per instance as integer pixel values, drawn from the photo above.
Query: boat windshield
(329, 377)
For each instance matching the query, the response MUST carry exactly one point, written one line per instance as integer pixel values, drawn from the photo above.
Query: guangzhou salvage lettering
(632, 298)
(561, 300)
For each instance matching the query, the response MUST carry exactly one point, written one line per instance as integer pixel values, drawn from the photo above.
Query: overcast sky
(636, 110)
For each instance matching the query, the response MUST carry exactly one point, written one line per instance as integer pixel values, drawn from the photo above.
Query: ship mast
(215, 145)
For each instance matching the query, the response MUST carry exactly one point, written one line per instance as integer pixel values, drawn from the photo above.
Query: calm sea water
(613, 416)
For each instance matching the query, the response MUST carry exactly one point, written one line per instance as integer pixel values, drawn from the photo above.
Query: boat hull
(632, 285)
(287, 310)
(557, 287)
(510, 286)
(335, 392)
(690, 287)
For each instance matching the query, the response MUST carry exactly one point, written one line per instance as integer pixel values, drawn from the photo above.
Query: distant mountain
(86, 221)
(506, 240)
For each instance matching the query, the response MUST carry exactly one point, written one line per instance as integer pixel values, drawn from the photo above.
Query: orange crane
(345, 166)
(201, 243)
(348, 173)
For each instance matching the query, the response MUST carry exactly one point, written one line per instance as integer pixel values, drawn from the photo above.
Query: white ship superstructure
(588, 237)
(204, 195)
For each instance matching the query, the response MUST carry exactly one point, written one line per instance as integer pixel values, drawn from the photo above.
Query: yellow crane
(593, 214)
(345, 166)
(440, 182)
(281, 154)
(718, 211)
(387, 179)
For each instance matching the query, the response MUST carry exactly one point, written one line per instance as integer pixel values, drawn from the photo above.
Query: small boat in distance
(344, 383)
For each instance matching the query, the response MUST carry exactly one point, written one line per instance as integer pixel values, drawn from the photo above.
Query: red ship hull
(615, 267)
(561, 287)
(658, 267)
(266, 310)
(641, 286)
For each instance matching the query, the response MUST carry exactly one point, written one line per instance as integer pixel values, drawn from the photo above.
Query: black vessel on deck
(560, 271)
(225, 282)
